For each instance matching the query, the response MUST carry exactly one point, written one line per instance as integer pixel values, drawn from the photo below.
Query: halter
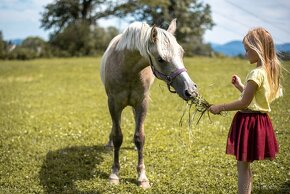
(167, 78)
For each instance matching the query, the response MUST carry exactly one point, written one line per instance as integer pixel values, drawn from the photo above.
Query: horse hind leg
(139, 139)
(117, 138)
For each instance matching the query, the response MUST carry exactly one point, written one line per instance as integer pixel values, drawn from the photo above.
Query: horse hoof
(114, 179)
(109, 145)
(144, 184)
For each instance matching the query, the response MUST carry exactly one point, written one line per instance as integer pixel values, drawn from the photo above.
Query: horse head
(165, 57)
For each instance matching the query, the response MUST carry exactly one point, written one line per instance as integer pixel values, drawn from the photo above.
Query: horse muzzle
(191, 92)
(180, 81)
(185, 87)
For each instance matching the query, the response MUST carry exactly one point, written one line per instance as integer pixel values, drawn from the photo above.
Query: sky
(232, 18)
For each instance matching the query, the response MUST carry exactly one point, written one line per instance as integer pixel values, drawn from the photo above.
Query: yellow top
(261, 101)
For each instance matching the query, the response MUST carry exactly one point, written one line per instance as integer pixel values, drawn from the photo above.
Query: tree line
(77, 40)
(75, 29)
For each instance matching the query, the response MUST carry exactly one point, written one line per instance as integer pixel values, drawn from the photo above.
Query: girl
(251, 136)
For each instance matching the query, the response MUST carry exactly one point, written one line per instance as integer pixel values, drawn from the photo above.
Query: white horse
(127, 72)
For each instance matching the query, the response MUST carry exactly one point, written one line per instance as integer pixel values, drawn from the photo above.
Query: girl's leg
(244, 177)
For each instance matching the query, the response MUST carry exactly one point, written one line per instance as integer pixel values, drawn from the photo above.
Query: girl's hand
(215, 109)
(236, 81)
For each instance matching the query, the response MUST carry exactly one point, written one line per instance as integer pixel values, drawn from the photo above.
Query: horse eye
(160, 60)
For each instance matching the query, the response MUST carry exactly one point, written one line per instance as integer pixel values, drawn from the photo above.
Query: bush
(21, 53)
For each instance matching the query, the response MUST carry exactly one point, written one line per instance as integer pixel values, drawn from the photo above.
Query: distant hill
(236, 47)
(283, 47)
(17, 41)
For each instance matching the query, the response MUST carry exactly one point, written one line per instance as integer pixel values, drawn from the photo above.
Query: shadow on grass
(62, 168)
(286, 187)
(267, 189)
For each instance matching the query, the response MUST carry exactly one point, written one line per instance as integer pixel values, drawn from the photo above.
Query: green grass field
(54, 123)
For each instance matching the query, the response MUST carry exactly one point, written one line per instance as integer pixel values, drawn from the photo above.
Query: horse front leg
(139, 139)
(117, 137)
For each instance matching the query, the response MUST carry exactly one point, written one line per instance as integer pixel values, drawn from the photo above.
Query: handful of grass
(200, 106)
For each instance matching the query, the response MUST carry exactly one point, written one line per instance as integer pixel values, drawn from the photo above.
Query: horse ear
(153, 36)
(172, 26)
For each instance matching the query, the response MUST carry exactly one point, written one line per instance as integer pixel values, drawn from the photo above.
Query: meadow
(54, 123)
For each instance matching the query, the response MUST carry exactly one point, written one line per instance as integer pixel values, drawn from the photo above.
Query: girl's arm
(236, 81)
(243, 103)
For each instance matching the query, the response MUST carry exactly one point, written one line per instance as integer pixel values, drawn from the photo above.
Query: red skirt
(251, 137)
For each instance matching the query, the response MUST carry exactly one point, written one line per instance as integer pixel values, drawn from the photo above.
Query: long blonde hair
(261, 41)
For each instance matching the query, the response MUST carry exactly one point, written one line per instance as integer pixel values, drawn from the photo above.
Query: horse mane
(135, 37)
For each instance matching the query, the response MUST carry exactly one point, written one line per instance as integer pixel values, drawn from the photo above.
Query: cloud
(234, 18)
(21, 18)
(21, 10)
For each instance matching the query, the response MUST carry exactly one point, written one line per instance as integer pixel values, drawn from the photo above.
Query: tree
(101, 37)
(75, 27)
(61, 13)
(80, 38)
(74, 39)
(36, 44)
(194, 16)
(2, 46)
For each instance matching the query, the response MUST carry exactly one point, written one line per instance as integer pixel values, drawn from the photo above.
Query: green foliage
(75, 39)
(78, 39)
(82, 39)
(22, 53)
(75, 29)
(37, 44)
(54, 122)
(30, 48)
(72, 18)
(2, 46)
(101, 37)
(193, 16)
(60, 14)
